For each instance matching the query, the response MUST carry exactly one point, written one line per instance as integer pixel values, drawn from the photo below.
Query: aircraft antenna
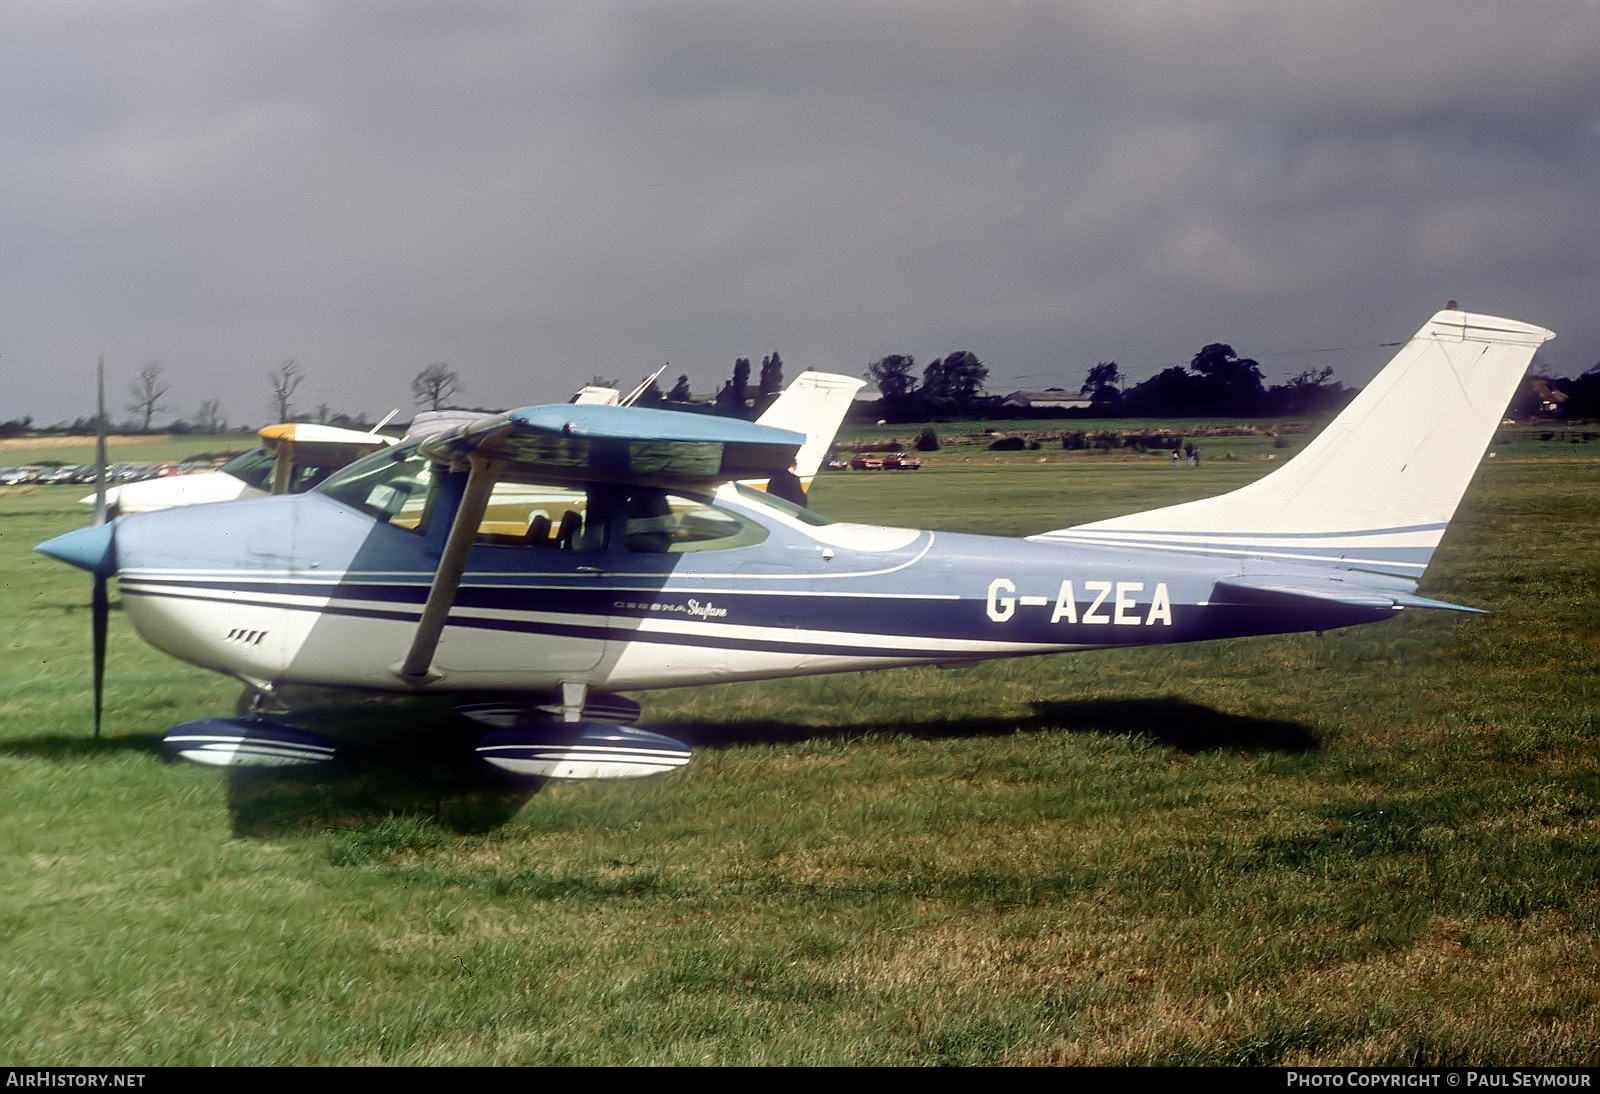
(632, 396)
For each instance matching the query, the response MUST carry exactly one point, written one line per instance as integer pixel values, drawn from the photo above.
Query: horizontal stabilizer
(1281, 590)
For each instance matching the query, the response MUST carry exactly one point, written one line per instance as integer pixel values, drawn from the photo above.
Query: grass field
(1218, 440)
(152, 448)
(1377, 846)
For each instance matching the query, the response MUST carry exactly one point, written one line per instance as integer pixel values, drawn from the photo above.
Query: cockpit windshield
(392, 485)
(254, 467)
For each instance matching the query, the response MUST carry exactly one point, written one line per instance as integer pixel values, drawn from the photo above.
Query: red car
(899, 461)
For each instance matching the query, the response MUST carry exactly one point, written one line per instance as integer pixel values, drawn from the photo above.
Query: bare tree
(434, 385)
(147, 392)
(284, 380)
(209, 419)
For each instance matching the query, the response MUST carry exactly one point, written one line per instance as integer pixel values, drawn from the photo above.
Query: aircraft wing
(1287, 591)
(305, 433)
(300, 446)
(619, 444)
(578, 442)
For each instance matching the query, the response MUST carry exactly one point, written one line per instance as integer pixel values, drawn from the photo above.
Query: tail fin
(1375, 490)
(814, 404)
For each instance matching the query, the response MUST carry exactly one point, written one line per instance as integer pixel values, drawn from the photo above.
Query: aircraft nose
(93, 549)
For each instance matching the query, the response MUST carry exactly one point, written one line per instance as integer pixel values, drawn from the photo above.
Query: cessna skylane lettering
(533, 563)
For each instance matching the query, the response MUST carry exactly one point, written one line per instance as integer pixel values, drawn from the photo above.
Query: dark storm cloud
(537, 193)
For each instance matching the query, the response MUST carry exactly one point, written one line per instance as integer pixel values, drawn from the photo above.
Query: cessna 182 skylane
(534, 563)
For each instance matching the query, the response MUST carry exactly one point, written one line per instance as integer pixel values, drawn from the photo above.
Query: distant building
(1051, 398)
(1550, 399)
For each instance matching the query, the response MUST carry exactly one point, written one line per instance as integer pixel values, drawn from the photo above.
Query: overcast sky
(538, 192)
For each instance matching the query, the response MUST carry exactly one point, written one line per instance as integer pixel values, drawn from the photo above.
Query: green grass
(1218, 440)
(1376, 846)
(1189, 428)
(152, 448)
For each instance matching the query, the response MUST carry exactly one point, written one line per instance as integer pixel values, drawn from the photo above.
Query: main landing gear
(575, 734)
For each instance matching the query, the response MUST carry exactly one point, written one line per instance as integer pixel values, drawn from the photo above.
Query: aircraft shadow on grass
(1170, 721)
(63, 746)
(391, 770)
(391, 763)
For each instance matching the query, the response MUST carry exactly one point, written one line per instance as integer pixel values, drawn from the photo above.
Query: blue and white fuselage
(806, 599)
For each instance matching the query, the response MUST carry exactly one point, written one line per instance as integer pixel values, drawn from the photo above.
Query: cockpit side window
(663, 523)
(394, 486)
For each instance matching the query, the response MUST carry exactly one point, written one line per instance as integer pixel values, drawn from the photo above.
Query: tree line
(1558, 396)
(951, 386)
(738, 397)
(1217, 382)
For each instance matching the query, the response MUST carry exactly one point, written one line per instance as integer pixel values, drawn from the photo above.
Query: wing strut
(452, 565)
(283, 470)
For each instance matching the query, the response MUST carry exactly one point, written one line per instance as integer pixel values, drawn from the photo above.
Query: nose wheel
(254, 738)
(246, 742)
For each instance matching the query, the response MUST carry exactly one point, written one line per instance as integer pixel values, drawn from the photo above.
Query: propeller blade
(93, 549)
(101, 602)
(100, 444)
(101, 607)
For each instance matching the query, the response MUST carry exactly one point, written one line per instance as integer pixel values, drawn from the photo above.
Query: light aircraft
(534, 564)
(610, 396)
(293, 457)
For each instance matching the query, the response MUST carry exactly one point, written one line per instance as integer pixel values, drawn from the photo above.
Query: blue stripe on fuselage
(879, 625)
(931, 598)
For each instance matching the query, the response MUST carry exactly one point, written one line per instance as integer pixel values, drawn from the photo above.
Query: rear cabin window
(556, 518)
(772, 501)
(663, 523)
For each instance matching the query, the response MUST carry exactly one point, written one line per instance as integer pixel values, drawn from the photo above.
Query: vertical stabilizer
(1377, 487)
(814, 404)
